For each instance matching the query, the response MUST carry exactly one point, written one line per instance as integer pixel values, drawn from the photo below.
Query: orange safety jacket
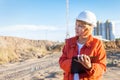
(92, 47)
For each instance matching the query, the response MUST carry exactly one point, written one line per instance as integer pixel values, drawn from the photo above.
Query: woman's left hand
(85, 61)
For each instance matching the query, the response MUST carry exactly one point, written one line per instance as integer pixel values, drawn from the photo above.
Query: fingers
(83, 57)
(78, 59)
(84, 60)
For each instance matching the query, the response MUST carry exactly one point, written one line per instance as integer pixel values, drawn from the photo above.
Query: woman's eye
(80, 26)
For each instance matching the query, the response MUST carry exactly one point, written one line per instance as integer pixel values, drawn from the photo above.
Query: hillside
(13, 49)
(112, 44)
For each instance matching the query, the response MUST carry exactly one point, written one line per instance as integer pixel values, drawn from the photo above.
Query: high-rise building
(105, 30)
(111, 31)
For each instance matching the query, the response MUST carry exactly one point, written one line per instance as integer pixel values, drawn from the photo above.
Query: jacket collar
(88, 42)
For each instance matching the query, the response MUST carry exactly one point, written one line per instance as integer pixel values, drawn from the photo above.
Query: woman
(84, 46)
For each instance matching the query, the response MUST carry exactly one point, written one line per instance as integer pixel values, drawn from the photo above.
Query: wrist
(89, 68)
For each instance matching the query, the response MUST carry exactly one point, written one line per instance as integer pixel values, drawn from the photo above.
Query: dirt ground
(47, 71)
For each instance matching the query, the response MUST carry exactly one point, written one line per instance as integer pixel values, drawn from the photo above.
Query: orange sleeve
(99, 67)
(64, 61)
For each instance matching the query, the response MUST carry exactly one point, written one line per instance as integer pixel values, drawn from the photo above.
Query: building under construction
(105, 30)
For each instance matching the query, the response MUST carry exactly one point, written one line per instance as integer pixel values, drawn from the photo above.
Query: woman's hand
(84, 60)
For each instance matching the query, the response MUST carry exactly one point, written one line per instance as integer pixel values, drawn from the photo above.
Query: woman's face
(83, 29)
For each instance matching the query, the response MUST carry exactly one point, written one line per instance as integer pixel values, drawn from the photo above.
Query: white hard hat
(87, 16)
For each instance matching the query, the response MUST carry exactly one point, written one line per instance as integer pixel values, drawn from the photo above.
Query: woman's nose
(82, 29)
(76, 27)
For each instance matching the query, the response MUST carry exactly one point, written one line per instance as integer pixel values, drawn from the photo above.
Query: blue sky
(46, 19)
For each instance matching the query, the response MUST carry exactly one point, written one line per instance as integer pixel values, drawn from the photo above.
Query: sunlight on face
(83, 29)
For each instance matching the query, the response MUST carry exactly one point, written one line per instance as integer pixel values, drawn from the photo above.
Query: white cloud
(30, 28)
(34, 32)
